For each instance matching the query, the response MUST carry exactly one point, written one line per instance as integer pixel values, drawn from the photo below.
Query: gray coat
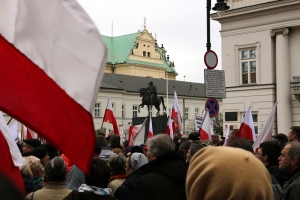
(291, 188)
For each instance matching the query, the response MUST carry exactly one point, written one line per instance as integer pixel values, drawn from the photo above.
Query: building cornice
(251, 87)
(257, 10)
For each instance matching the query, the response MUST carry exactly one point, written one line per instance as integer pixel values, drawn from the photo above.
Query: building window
(134, 111)
(97, 110)
(255, 121)
(231, 116)
(123, 107)
(144, 53)
(248, 65)
(186, 113)
(196, 111)
(148, 54)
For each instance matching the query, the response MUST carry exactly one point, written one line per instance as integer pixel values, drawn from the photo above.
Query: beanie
(39, 152)
(227, 173)
(137, 160)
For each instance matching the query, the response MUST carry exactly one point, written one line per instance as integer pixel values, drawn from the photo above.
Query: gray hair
(294, 151)
(160, 144)
(55, 169)
(116, 163)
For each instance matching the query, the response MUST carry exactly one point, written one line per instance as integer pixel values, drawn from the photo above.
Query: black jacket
(164, 178)
(278, 174)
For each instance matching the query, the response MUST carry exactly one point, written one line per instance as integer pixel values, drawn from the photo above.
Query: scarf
(95, 190)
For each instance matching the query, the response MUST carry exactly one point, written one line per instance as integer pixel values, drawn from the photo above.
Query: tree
(218, 124)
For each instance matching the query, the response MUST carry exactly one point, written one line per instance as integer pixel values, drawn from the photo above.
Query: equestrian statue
(150, 98)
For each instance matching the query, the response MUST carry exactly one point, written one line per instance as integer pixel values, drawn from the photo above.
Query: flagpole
(9, 120)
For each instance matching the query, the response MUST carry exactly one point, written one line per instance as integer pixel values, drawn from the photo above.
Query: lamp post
(167, 88)
(220, 7)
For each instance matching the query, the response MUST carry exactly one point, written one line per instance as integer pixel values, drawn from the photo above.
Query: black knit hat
(33, 142)
(39, 152)
(52, 151)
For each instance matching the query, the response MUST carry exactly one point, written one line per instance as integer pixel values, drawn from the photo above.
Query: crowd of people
(164, 168)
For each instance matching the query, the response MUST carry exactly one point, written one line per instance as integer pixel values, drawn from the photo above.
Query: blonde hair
(26, 169)
(35, 166)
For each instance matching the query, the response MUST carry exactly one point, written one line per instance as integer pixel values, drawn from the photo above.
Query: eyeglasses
(126, 166)
(258, 154)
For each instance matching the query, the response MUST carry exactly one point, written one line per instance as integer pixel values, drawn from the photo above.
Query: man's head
(30, 144)
(194, 136)
(158, 145)
(150, 83)
(289, 159)
(294, 134)
(280, 138)
(268, 153)
(215, 139)
(42, 154)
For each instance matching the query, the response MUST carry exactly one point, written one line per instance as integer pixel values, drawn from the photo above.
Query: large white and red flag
(227, 135)
(52, 64)
(11, 158)
(247, 127)
(107, 129)
(206, 130)
(109, 116)
(137, 134)
(28, 133)
(266, 131)
(176, 115)
(150, 131)
(169, 127)
(14, 131)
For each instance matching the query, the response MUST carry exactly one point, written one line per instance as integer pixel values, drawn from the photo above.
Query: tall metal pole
(167, 92)
(208, 8)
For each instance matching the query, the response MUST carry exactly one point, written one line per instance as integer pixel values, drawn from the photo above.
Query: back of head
(114, 141)
(136, 149)
(55, 170)
(241, 143)
(137, 160)
(52, 151)
(99, 174)
(195, 147)
(160, 144)
(116, 163)
(102, 141)
(35, 166)
(40, 152)
(236, 173)
(272, 150)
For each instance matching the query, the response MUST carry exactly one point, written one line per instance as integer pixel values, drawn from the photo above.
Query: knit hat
(33, 142)
(227, 173)
(52, 151)
(137, 160)
(39, 152)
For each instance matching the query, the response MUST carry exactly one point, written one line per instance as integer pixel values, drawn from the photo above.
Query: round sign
(210, 59)
(213, 107)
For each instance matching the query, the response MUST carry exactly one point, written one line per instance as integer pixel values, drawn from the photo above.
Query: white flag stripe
(227, 135)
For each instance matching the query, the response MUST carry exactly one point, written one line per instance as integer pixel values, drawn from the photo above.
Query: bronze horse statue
(146, 101)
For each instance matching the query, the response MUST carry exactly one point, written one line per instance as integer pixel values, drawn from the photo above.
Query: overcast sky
(180, 25)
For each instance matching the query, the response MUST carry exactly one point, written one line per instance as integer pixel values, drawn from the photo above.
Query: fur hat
(39, 152)
(137, 160)
(227, 173)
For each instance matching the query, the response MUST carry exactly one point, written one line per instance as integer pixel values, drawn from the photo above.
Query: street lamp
(220, 7)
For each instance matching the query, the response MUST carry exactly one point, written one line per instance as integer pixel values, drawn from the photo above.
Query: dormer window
(144, 53)
(148, 54)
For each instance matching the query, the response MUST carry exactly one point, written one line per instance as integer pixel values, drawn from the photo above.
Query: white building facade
(261, 59)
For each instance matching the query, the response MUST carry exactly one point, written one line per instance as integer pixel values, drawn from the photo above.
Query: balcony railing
(295, 87)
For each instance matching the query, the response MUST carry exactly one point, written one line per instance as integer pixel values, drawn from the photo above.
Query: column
(283, 91)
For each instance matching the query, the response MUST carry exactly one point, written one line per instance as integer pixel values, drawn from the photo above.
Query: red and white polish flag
(137, 134)
(227, 135)
(247, 127)
(169, 127)
(266, 131)
(109, 117)
(11, 158)
(176, 116)
(150, 131)
(206, 130)
(52, 64)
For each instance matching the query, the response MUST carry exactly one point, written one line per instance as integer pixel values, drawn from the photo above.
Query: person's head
(158, 145)
(99, 174)
(232, 135)
(55, 170)
(116, 163)
(184, 148)
(35, 166)
(102, 140)
(114, 141)
(294, 134)
(268, 153)
(215, 139)
(221, 170)
(30, 144)
(289, 159)
(150, 83)
(117, 151)
(42, 154)
(195, 136)
(195, 147)
(52, 151)
(242, 143)
(134, 162)
(136, 149)
(26, 169)
(280, 138)
(97, 148)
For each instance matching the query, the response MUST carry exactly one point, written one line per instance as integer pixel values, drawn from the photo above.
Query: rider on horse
(152, 92)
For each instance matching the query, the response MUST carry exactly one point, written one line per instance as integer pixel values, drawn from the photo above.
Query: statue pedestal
(158, 124)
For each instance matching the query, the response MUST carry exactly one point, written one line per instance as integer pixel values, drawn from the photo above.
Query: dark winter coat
(281, 176)
(75, 195)
(163, 179)
(124, 192)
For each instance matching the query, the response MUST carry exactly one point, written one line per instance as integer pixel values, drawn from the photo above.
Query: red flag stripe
(26, 91)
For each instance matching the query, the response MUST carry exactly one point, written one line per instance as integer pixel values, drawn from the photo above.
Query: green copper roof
(120, 47)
